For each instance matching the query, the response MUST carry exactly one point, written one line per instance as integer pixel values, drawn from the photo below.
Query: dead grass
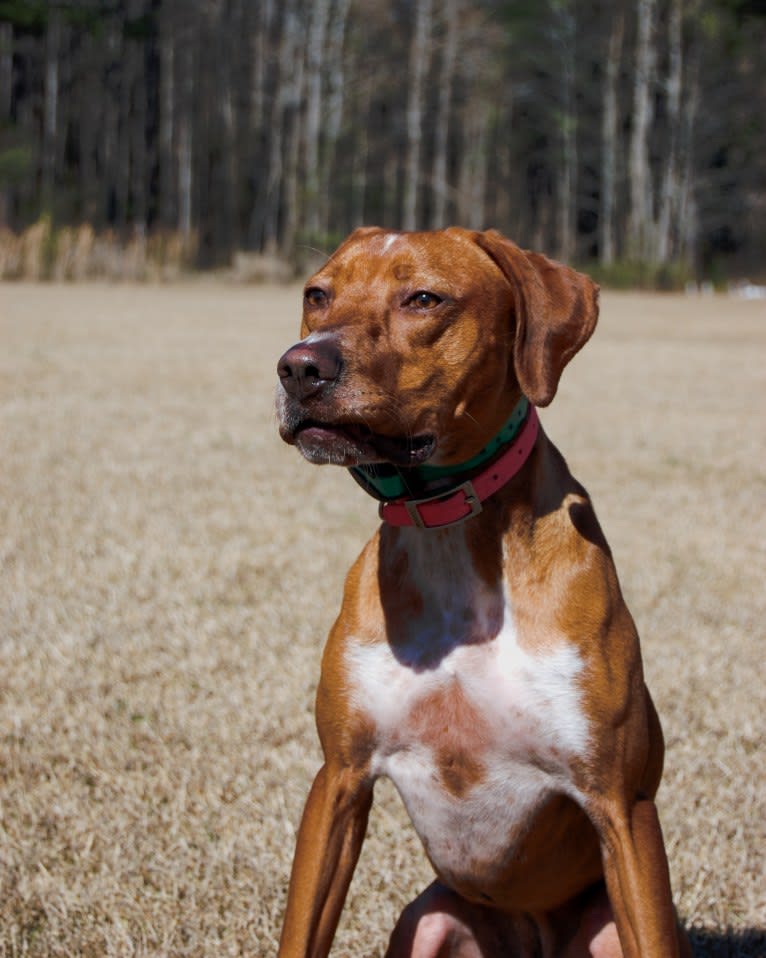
(169, 571)
(41, 252)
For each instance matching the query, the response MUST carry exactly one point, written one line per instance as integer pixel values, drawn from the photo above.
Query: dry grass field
(169, 571)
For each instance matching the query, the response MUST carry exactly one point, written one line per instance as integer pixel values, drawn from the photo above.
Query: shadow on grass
(747, 943)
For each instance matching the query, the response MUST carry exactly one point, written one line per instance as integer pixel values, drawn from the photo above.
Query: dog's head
(416, 346)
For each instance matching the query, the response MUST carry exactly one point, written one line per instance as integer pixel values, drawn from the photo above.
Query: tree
(440, 189)
(610, 138)
(418, 68)
(575, 125)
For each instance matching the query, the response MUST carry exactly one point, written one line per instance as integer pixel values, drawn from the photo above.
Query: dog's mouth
(352, 444)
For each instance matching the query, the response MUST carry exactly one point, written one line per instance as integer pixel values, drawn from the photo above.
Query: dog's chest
(475, 738)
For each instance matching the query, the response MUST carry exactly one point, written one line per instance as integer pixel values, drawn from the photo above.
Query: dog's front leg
(637, 878)
(329, 841)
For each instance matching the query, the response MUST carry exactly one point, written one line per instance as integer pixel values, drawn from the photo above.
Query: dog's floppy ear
(556, 311)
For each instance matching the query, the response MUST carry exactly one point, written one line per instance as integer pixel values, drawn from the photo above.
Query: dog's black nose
(309, 368)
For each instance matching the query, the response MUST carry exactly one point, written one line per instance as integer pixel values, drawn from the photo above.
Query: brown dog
(483, 658)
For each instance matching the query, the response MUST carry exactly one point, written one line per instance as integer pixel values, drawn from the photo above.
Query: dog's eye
(424, 300)
(314, 296)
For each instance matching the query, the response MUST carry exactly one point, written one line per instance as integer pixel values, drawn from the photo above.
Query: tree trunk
(315, 60)
(50, 113)
(567, 177)
(473, 168)
(419, 62)
(166, 125)
(122, 159)
(640, 220)
(264, 220)
(668, 216)
(609, 141)
(283, 132)
(391, 190)
(266, 119)
(334, 109)
(6, 76)
(446, 73)
(502, 205)
(92, 106)
(688, 222)
(260, 42)
(110, 145)
(185, 130)
(293, 68)
(228, 172)
(361, 152)
(6, 70)
(137, 133)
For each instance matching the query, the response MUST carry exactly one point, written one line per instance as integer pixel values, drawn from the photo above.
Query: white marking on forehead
(389, 241)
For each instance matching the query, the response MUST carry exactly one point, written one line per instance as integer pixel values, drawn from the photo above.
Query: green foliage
(635, 274)
(141, 28)
(323, 243)
(32, 16)
(25, 14)
(15, 164)
(744, 8)
(526, 103)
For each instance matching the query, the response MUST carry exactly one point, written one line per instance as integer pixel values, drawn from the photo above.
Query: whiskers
(467, 415)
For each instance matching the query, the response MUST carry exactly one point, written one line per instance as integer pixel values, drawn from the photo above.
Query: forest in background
(629, 136)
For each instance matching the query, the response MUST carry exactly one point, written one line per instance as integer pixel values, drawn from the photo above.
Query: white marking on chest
(532, 700)
(524, 724)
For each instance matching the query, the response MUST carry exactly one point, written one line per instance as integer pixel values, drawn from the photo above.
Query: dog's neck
(433, 497)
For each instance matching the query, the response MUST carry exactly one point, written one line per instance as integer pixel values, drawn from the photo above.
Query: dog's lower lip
(320, 431)
(373, 447)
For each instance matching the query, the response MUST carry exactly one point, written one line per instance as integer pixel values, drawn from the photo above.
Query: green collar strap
(387, 482)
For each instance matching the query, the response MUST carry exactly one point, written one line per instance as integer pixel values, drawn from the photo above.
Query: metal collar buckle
(471, 499)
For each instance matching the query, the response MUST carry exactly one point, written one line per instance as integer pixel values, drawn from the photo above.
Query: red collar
(464, 501)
